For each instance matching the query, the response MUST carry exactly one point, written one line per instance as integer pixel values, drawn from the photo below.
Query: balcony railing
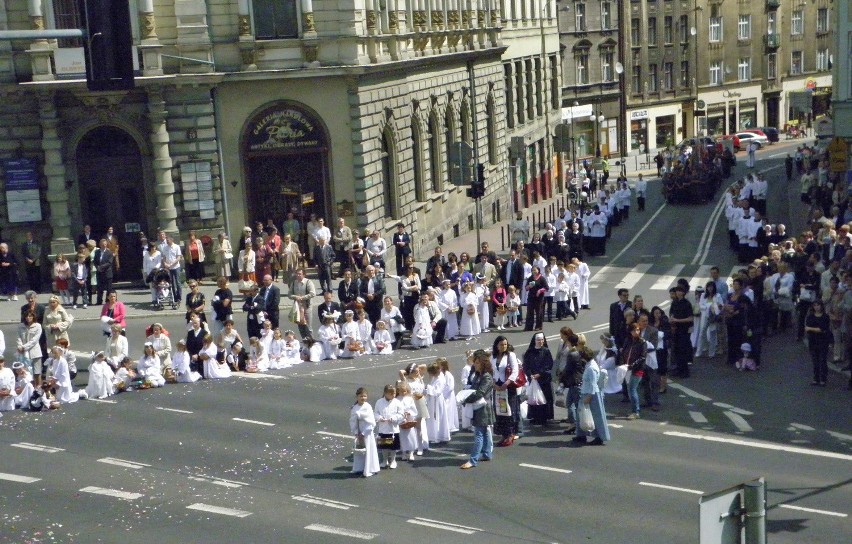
(772, 41)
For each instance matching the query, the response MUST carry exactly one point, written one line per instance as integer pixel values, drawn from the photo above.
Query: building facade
(246, 110)
(842, 81)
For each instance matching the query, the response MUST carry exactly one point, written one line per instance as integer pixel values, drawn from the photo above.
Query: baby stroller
(165, 291)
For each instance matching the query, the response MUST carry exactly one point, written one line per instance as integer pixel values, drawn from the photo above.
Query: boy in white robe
(450, 403)
(7, 387)
(101, 378)
(362, 422)
(448, 302)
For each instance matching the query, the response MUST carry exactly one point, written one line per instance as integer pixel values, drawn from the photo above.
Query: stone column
(152, 61)
(40, 52)
(310, 43)
(54, 171)
(164, 186)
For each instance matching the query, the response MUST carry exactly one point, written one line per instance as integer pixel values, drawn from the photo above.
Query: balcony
(773, 4)
(772, 41)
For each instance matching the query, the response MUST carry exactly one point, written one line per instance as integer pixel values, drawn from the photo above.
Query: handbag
(587, 422)
(535, 396)
(245, 285)
(293, 316)
(501, 402)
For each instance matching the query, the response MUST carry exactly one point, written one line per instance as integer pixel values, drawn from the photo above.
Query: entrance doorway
(287, 183)
(109, 171)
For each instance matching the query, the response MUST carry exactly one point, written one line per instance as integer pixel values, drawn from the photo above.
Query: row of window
(797, 24)
(654, 83)
(668, 31)
(526, 88)
(797, 66)
(581, 20)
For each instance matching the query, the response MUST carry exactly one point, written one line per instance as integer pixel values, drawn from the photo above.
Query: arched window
(388, 173)
(417, 155)
(466, 128)
(450, 137)
(435, 153)
(491, 129)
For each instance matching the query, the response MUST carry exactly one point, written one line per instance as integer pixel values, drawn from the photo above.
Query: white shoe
(411, 456)
(82, 394)
(419, 452)
(392, 465)
(15, 297)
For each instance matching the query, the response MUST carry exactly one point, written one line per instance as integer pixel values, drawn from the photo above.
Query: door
(109, 170)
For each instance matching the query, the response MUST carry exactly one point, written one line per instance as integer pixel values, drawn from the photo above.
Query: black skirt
(394, 446)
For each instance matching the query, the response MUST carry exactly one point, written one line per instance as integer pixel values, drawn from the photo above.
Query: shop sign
(577, 112)
(810, 84)
(838, 155)
(284, 126)
(638, 114)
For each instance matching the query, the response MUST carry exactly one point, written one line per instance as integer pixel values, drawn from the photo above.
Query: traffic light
(107, 44)
(477, 188)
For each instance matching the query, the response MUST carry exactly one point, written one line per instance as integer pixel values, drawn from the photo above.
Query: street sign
(838, 155)
(562, 138)
(461, 163)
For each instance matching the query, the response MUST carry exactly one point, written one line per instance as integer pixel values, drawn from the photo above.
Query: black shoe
(579, 440)
(596, 442)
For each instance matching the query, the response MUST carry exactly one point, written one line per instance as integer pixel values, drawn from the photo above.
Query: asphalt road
(265, 458)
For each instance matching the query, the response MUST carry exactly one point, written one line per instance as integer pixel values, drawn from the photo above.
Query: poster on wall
(23, 198)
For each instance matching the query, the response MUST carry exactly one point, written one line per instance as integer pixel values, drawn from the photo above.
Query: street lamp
(597, 120)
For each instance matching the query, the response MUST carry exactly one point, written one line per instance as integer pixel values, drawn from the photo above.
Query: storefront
(748, 114)
(716, 119)
(665, 133)
(639, 131)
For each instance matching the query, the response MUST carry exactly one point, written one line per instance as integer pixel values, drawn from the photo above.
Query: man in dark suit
(271, 295)
(616, 313)
(85, 236)
(402, 246)
(31, 253)
(103, 261)
(348, 290)
(328, 306)
(324, 257)
(372, 291)
(253, 307)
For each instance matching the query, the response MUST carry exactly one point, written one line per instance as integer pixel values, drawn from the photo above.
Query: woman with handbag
(223, 254)
(710, 319)
(483, 413)
(505, 367)
(592, 398)
(29, 349)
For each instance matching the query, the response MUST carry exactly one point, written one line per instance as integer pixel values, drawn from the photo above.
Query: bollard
(754, 506)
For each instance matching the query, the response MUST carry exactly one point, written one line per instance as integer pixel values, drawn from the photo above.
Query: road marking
(615, 425)
(814, 510)
(449, 452)
(37, 447)
(690, 392)
(258, 376)
(18, 478)
(761, 445)
(672, 488)
(776, 155)
(122, 463)
(664, 281)
(218, 481)
(264, 423)
(607, 274)
(697, 417)
(336, 435)
(734, 409)
(174, 410)
(841, 436)
(701, 277)
(551, 469)
(444, 525)
(707, 237)
(219, 510)
(739, 422)
(332, 370)
(324, 502)
(630, 279)
(105, 401)
(125, 495)
(340, 531)
(802, 427)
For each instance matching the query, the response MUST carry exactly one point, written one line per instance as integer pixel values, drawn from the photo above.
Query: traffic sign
(461, 163)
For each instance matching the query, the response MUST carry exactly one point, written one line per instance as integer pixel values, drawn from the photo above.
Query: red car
(756, 131)
(733, 137)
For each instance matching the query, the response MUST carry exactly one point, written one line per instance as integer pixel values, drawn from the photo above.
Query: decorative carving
(371, 19)
(420, 19)
(308, 21)
(38, 22)
(392, 21)
(245, 25)
(438, 19)
(467, 17)
(480, 21)
(454, 19)
(249, 56)
(494, 17)
(310, 51)
(148, 25)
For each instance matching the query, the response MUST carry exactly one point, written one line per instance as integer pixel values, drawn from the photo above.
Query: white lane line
(18, 478)
(444, 525)
(734, 409)
(739, 422)
(37, 447)
(218, 481)
(712, 229)
(690, 392)
(258, 376)
(449, 452)
(332, 370)
(337, 435)
(707, 235)
(664, 281)
(763, 446)
(841, 436)
(219, 510)
(814, 510)
(105, 401)
(118, 494)
(324, 502)
(802, 427)
(776, 155)
(174, 410)
(122, 463)
(264, 423)
(697, 417)
(551, 469)
(630, 279)
(615, 425)
(701, 277)
(340, 531)
(607, 275)
(672, 488)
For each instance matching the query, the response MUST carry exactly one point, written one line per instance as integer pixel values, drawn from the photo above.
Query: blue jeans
(572, 399)
(633, 392)
(483, 445)
(174, 275)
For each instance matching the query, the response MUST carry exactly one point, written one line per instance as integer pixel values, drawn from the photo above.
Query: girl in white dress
(213, 370)
(291, 353)
(710, 304)
(312, 350)
(412, 375)
(407, 436)
(389, 414)
(276, 351)
(125, 376)
(266, 335)
(513, 305)
(365, 333)
(329, 338)
(573, 281)
(393, 317)
(180, 361)
(148, 367)
(60, 378)
(258, 355)
(483, 293)
(23, 384)
(469, 302)
(439, 422)
(352, 345)
(448, 302)
(450, 403)
(525, 262)
(382, 340)
(421, 334)
(466, 371)
(362, 421)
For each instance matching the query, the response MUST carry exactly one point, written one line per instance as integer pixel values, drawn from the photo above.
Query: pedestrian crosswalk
(653, 276)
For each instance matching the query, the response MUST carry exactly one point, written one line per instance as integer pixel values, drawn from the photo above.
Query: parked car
(706, 140)
(772, 133)
(747, 137)
(733, 137)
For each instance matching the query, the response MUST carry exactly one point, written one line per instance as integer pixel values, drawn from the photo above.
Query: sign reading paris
(284, 126)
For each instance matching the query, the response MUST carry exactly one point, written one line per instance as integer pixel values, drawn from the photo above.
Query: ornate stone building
(248, 109)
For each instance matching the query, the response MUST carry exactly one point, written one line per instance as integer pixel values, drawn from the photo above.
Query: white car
(747, 137)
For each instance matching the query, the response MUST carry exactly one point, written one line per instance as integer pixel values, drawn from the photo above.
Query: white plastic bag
(587, 423)
(535, 396)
